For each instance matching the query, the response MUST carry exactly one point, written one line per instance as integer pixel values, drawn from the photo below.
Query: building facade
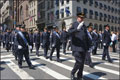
(97, 13)
(7, 13)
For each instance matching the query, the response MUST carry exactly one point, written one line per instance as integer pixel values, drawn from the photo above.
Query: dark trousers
(64, 47)
(106, 53)
(32, 47)
(3, 45)
(100, 45)
(37, 46)
(46, 50)
(95, 50)
(58, 52)
(79, 64)
(113, 46)
(8, 46)
(24, 53)
(69, 45)
(88, 60)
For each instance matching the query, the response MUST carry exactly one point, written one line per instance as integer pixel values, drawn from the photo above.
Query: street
(46, 69)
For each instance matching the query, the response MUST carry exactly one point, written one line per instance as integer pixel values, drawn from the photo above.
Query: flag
(52, 16)
(30, 18)
(67, 11)
(62, 11)
(39, 16)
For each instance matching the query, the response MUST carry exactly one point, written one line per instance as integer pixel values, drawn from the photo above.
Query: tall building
(32, 13)
(23, 12)
(7, 13)
(97, 13)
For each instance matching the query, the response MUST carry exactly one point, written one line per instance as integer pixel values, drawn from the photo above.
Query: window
(112, 9)
(62, 2)
(105, 7)
(108, 8)
(67, 1)
(57, 2)
(109, 18)
(90, 14)
(52, 3)
(101, 5)
(101, 15)
(96, 15)
(78, 10)
(62, 13)
(115, 19)
(116, 10)
(67, 11)
(85, 1)
(105, 16)
(57, 14)
(85, 12)
(90, 2)
(48, 16)
(112, 19)
(96, 4)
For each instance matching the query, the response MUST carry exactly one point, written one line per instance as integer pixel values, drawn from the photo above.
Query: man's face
(90, 29)
(22, 29)
(17, 28)
(79, 19)
(107, 28)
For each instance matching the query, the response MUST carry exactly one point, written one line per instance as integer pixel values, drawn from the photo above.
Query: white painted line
(97, 67)
(21, 73)
(50, 71)
(92, 76)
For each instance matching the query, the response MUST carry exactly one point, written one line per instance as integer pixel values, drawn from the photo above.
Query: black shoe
(91, 66)
(51, 59)
(73, 77)
(46, 57)
(110, 61)
(80, 79)
(58, 60)
(103, 59)
(31, 67)
(20, 66)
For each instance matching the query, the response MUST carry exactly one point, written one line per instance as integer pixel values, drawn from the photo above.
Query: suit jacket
(21, 41)
(79, 38)
(37, 38)
(55, 40)
(45, 39)
(106, 37)
(7, 37)
(64, 36)
(95, 37)
(31, 37)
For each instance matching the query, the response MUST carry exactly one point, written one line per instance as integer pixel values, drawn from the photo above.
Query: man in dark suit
(23, 47)
(8, 40)
(64, 38)
(37, 41)
(3, 39)
(45, 41)
(80, 45)
(106, 42)
(88, 60)
(55, 41)
(95, 37)
(31, 38)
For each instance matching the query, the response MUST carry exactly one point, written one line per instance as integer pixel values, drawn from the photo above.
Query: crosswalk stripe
(110, 56)
(106, 63)
(97, 67)
(21, 73)
(92, 76)
(50, 71)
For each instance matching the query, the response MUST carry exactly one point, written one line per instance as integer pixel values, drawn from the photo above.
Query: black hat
(80, 14)
(23, 27)
(55, 27)
(107, 25)
(31, 30)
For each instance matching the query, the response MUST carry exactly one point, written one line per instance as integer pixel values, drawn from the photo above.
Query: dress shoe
(51, 59)
(20, 66)
(110, 61)
(91, 66)
(103, 59)
(73, 77)
(80, 79)
(58, 60)
(31, 67)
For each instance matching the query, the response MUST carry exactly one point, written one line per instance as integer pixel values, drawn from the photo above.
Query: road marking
(87, 74)
(97, 67)
(21, 73)
(50, 71)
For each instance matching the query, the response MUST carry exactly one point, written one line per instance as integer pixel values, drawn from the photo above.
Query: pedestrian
(45, 42)
(106, 43)
(95, 37)
(37, 41)
(88, 60)
(31, 38)
(78, 32)
(114, 41)
(64, 39)
(55, 41)
(23, 47)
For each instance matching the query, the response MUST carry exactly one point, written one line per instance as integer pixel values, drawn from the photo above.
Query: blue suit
(106, 40)
(45, 42)
(55, 41)
(31, 40)
(64, 38)
(37, 41)
(79, 47)
(7, 41)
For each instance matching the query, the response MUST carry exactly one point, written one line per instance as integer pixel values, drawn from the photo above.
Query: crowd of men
(81, 39)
